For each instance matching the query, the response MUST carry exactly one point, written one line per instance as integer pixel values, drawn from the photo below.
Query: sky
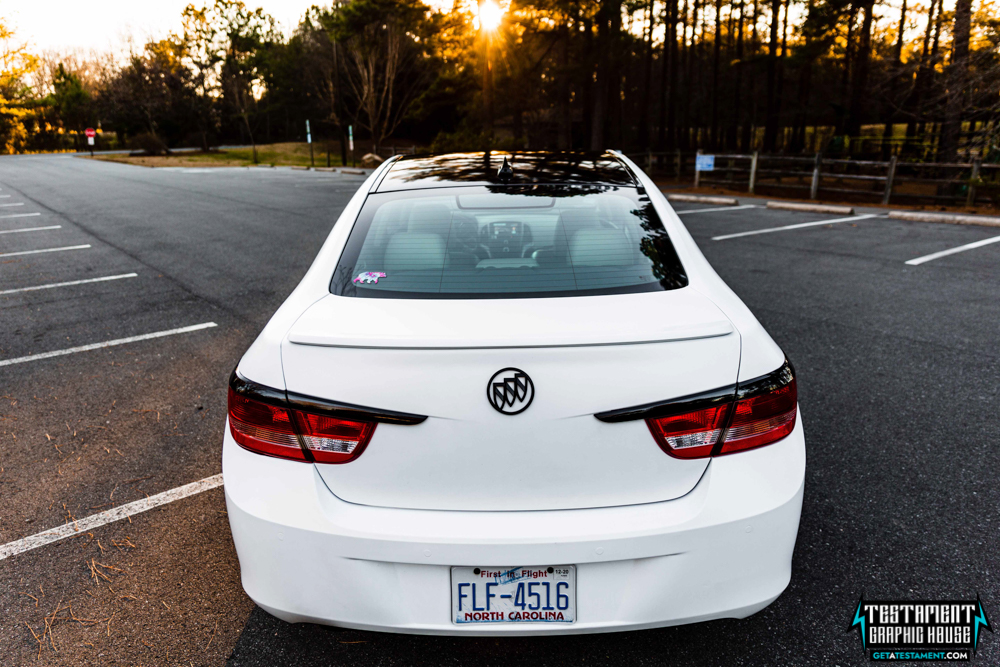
(62, 25)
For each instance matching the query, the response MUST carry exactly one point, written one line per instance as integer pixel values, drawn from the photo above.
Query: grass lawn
(291, 153)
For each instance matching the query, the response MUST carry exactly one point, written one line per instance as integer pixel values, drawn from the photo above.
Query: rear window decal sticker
(369, 277)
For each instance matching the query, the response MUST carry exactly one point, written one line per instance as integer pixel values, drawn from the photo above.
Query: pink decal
(369, 277)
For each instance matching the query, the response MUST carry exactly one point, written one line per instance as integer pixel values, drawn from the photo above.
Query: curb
(329, 169)
(699, 199)
(298, 168)
(356, 172)
(950, 218)
(811, 208)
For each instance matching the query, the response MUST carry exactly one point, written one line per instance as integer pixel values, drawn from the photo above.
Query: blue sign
(704, 163)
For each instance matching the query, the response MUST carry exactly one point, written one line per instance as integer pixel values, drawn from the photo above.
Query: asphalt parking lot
(176, 270)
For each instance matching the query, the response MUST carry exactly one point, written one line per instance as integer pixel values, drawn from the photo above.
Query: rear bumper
(722, 551)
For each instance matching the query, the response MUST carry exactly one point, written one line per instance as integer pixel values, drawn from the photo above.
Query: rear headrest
(430, 219)
(412, 251)
(575, 219)
(601, 247)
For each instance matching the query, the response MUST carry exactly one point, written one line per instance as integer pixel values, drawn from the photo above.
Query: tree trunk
(733, 135)
(666, 66)
(602, 82)
(896, 73)
(748, 126)
(564, 141)
(859, 84)
(773, 113)
(674, 58)
(914, 104)
(958, 75)
(647, 76)
(716, 50)
(587, 82)
(781, 69)
(487, 89)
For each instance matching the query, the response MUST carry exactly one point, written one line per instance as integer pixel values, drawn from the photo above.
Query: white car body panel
(722, 551)
(555, 455)
(656, 540)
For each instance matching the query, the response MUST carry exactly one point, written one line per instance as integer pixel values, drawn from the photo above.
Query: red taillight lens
(263, 428)
(760, 412)
(293, 434)
(692, 435)
(332, 440)
(761, 420)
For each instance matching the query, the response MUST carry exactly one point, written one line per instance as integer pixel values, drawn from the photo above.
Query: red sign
(90, 132)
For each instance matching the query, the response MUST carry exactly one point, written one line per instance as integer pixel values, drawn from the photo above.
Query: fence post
(814, 188)
(970, 198)
(890, 176)
(697, 174)
(753, 171)
(677, 165)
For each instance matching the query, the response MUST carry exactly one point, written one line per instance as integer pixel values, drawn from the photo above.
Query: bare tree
(384, 54)
(957, 76)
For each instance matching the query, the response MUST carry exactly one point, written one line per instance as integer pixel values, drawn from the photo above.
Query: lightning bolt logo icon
(859, 621)
(980, 619)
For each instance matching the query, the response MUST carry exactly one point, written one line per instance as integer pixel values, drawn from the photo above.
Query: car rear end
(497, 408)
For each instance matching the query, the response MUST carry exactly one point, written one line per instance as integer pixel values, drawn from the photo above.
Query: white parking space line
(67, 284)
(19, 215)
(35, 252)
(801, 225)
(29, 229)
(4, 195)
(81, 526)
(20, 203)
(107, 343)
(952, 251)
(713, 210)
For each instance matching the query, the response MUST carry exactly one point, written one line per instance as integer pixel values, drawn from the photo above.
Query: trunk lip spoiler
(321, 406)
(706, 399)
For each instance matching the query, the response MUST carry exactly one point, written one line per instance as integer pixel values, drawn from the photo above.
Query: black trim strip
(678, 406)
(766, 383)
(669, 408)
(321, 406)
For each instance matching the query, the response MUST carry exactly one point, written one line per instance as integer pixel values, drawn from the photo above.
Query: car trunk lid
(583, 354)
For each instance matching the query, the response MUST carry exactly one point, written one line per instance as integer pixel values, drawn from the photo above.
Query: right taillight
(761, 418)
(760, 412)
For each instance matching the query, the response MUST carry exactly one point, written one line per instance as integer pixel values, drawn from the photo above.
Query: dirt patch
(294, 154)
(162, 590)
(176, 160)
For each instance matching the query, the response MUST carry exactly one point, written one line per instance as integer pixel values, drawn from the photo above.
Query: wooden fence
(895, 181)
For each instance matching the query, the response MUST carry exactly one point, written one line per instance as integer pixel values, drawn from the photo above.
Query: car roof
(481, 168)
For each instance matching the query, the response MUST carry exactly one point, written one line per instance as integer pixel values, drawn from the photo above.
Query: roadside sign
(350, 137)
(309, 136)
(90, 141)
(90, 133)
(705, 163)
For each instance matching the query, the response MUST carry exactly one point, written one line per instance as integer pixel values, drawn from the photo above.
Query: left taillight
(759, 412)
(265, 426)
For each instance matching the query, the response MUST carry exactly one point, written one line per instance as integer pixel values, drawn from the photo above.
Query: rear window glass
(507, 242)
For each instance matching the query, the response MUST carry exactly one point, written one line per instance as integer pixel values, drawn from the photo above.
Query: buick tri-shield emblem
(510, 391)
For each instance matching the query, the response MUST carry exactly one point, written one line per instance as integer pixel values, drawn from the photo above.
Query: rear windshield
(507, 242)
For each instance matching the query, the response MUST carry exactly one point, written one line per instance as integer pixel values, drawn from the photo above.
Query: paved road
(897, 364)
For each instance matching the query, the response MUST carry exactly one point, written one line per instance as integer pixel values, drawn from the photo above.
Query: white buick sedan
(511, 396)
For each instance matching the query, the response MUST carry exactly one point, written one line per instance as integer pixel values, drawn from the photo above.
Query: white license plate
(513, 595)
